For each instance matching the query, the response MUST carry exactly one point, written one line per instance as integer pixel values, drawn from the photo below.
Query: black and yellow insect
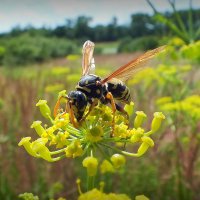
(91, 88)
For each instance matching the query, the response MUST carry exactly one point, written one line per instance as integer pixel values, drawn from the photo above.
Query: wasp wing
(126, 71)
(87, 60)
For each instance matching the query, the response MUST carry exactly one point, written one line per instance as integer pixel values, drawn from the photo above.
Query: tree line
(24, 45)
(140, 25)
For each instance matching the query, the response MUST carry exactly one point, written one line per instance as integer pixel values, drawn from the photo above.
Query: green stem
(149, 133)
(91, 153)
(90, 182)
(72, 130)
(120, 151)
(115, 140)
(73, 137)
(102, 152)
(178, 18)
(58, 158)
(50, 118)
(131, 154)
(152, 6)
(197, 33)
(110, 147)
(191, 25)
(57, 152)
(86, 148)
(90, 179)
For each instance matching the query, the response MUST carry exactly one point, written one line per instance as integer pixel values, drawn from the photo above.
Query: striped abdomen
(119, 90)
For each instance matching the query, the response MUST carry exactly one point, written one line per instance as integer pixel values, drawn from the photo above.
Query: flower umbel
(60, 139)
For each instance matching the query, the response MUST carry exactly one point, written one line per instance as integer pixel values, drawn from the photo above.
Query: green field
(168, 171)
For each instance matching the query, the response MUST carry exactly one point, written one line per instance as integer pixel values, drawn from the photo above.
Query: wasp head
(78, 102)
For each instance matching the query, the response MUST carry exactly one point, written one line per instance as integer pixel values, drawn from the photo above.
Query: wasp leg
(57, 106)
(71, 114)
(92, 105)
(121, 109)
(68, 108)
(110, 97)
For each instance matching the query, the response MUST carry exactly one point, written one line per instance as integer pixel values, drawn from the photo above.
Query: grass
(158, 175)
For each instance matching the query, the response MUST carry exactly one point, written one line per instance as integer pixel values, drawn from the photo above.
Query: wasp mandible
(91, 88)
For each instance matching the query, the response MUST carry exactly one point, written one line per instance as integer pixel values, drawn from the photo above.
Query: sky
(51, 13)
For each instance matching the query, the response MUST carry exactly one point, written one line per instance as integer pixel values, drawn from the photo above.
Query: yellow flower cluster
(191, 51)
(96, 133)
(98, 194)
(178, 49)
(163, 75)
(190, 106)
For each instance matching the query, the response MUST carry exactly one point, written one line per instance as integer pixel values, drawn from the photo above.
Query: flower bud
(101, 184)
(27, 145)
(61, 139)
(106, 113)
(136, 137)
(156, 122)
(106, 166)
(107, 117)
(129, 108)
(78, 182)
(91, 164)
(141, 197)
(146, 143)
(44, 108)
(62, 93)
(40, 148)
(121, 131)
(38, 127)
(113, 196)
(139, 119)
(62, 122)
(74, 149)
(118, 160)
(51, 130)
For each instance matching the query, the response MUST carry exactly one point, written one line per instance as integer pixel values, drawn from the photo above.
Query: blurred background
(40, 55)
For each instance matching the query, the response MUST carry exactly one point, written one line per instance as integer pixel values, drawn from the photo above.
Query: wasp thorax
(78, 102)
(91, 86)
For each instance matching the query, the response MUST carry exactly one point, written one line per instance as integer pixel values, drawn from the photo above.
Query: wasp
(91, 88)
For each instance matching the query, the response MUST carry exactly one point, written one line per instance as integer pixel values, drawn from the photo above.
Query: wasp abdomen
(119, 91)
